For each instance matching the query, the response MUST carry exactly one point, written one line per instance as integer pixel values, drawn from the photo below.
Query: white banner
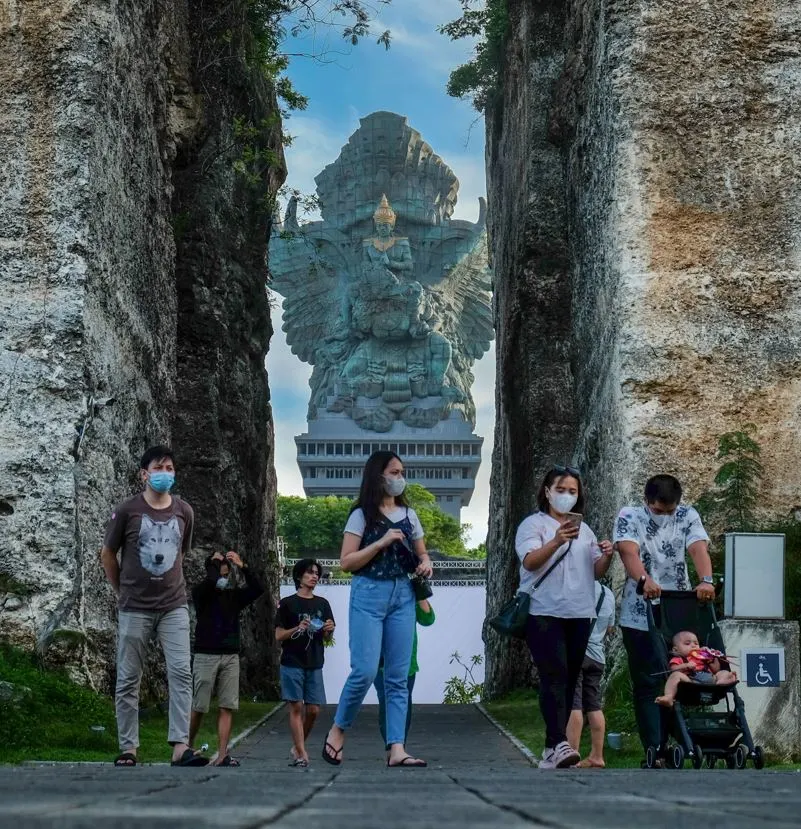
(459, 619)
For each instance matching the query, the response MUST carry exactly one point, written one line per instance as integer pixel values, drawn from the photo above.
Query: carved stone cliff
(132, 301)
(642, 162)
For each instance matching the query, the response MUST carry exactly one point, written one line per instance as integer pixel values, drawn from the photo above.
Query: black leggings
(557, 647)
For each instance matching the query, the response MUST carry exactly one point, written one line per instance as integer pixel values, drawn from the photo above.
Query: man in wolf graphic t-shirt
(152, 532)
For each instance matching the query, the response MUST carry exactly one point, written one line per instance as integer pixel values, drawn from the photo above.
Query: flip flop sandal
(125, 759)
(332, 759)
(229, 761)
(189, 758)
(408, 762)
(299, 763)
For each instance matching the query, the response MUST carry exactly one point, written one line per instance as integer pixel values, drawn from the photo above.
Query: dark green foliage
(480, 77)
(732, 503)
(443, 531)
(311, 526)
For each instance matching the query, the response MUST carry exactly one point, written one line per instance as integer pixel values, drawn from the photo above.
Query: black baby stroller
(700, 733)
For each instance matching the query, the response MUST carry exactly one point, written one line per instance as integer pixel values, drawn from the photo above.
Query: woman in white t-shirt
(382, 545)
(563, 605)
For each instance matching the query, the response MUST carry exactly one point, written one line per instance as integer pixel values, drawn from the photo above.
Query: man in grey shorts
(229, 587)
(587, 695)
(152, 532)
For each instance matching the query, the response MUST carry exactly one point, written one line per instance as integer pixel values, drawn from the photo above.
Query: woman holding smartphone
(382, 544)
(560, 560)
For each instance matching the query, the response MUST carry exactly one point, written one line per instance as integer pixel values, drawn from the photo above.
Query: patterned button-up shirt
(662, 552)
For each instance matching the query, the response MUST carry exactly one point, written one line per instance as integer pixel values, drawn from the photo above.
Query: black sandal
(333, 759)
(228, 761)
(125, 759)
(190, 758)
(408, 762)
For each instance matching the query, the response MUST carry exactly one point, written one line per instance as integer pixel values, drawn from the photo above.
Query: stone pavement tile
(476, 780)
(422, 799)
(438, 735)
(613, 799)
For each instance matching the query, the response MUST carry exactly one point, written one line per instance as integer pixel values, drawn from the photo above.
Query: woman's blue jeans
(381, 616)
(382, 705)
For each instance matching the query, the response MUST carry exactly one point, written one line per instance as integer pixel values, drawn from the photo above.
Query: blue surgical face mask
(223, 583)
(161, 481)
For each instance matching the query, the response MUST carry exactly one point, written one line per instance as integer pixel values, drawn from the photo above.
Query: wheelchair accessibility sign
(763, 668)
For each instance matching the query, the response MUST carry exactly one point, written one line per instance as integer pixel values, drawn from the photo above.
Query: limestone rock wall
(104, 116)
(643, 160)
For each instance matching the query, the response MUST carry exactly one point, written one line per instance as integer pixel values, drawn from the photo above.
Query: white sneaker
(547, 761)
(565, 755)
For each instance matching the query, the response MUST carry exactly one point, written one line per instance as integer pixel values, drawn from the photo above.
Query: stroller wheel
(676, 757)
(759, 757)
(651, 757)
(740, 756)
(698, 756)
(711, 761)
(731, 762)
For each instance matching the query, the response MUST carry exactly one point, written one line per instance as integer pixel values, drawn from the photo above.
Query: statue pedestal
(773, 711)
(444, 459)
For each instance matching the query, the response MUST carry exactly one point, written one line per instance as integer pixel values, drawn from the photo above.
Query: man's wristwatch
(708, 580)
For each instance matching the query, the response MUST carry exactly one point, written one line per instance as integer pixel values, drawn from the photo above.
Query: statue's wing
(463, 300)
(440, 248)
(309, 267)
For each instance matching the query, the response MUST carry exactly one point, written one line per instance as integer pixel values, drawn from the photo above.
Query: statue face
(383, 229)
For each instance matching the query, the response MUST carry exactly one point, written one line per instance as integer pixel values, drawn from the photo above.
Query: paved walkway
(477, 779)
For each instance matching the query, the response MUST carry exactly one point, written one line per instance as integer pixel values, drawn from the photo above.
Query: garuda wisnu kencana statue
(387, 297)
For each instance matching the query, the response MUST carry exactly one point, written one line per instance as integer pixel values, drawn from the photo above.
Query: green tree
(732, 503)
(479, 552)
(443, 532)
(479, 77)
(314, 525)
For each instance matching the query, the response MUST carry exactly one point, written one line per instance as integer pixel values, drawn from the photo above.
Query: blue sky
(348, 84)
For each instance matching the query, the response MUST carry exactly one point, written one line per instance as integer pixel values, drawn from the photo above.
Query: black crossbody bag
(512, 618)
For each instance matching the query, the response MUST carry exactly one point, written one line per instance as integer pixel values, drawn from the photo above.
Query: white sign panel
(754, 581)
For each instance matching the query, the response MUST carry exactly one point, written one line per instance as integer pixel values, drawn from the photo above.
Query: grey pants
(136, 628)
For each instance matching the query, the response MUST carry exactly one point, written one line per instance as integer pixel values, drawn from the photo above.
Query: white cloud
(477, 514)
(289, 390)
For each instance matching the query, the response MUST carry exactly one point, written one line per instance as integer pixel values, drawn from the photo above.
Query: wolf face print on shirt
(159, 543)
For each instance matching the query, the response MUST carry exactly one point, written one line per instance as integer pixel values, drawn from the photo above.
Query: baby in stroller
(691, 663)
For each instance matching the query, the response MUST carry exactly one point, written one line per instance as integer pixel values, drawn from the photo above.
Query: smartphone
(575, 518)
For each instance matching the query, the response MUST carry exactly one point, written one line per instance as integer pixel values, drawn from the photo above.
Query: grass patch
(519, 712)
(51, 718)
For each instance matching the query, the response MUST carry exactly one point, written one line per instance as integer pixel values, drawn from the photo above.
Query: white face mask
(562, 502)
(223, 583)
(660, 520)
(394, 486)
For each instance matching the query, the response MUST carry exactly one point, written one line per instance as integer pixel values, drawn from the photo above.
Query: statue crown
(384, 213)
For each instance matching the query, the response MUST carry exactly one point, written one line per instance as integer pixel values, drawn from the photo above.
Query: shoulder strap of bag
(598, 606)
(550, 570)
